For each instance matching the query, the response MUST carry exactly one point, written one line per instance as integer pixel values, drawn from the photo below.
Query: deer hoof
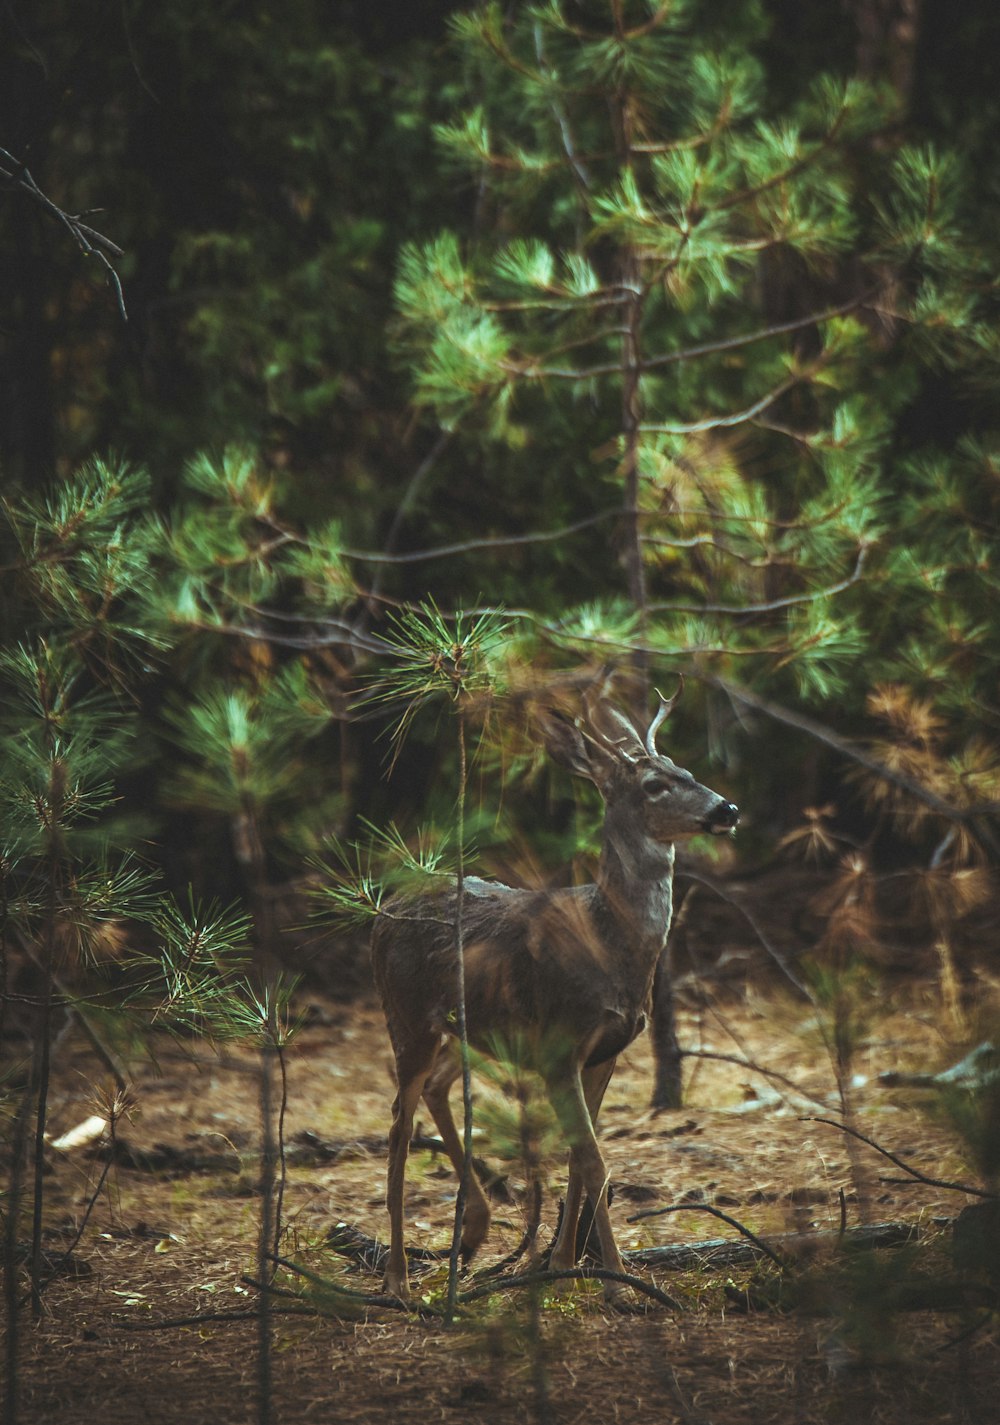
(399, 1287)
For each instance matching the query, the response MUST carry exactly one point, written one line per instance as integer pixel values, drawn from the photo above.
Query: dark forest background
(661, 339)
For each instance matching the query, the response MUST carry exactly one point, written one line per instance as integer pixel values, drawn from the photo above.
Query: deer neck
(635, 879)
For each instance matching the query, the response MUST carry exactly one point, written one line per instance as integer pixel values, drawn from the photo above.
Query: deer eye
(657, 786)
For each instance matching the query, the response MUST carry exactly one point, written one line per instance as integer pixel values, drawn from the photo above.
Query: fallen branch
(721, 1252)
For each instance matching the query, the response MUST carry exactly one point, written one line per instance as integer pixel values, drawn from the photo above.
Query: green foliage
(356, 878)
(193, 980)
(85, 563)
(516, 1115)
(685, 190)
(803, 271)
(59, 754)
(245, 749)
(227, 550)
(434, 656)
(66, 889)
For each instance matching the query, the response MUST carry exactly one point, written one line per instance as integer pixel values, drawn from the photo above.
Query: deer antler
(662, 713)
(606, 728)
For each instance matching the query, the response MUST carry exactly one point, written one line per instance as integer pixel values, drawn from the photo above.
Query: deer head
(640, 785)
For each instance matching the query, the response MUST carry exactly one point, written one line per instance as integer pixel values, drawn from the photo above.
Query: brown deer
(566, 972)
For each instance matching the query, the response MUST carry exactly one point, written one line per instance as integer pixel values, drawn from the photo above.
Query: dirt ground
(172, 1237)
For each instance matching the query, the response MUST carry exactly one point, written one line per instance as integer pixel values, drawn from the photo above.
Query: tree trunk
(668, 1088)
(888, 33)
(666, 1050)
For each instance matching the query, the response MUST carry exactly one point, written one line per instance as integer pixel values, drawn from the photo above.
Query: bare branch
(417, 479)
(970, 817)
(899, 1162)
(734, 418)
(711, 348)
(742, 1062)
(685, 872)
(773, 604)
(576, 163)
(88, 239)
(469, 546)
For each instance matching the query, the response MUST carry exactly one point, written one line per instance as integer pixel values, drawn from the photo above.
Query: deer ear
(566, 744)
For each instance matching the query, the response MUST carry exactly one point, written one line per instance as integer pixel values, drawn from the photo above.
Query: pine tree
(702, 293)
(101, 938)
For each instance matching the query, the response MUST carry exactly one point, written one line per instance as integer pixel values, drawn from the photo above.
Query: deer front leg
(595, 1081)
(587, 1170)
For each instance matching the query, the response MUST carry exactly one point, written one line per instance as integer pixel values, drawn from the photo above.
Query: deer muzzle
(722, 819)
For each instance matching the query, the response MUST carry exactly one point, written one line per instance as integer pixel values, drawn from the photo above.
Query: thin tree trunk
(268, 1227)
(888, 35)
(666, 1049)
(667, 1079)
(668, 1091)
(249, 848)
(12, 1213)
(631, 416)
(43, 1041)
(461, 1025)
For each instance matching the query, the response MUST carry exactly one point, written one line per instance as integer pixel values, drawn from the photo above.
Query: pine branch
(800, 164)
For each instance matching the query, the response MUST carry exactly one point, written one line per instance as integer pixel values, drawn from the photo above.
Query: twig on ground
(515, 1256)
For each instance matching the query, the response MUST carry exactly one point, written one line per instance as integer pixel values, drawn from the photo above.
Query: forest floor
(171, 1239)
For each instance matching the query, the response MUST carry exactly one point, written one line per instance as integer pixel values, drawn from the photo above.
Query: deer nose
(724, 817)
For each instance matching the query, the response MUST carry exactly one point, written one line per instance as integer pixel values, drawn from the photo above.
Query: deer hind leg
(587, 1173)
(413, 1066)
(476, 1220)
